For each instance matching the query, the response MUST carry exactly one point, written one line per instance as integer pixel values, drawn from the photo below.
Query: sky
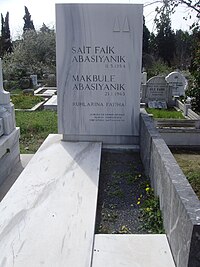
(44, 11)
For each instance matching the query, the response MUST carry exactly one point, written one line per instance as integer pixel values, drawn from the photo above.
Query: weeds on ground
(151, 216)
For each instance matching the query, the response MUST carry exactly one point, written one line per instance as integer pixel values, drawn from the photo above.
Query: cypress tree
(6, 44)
(28, 23)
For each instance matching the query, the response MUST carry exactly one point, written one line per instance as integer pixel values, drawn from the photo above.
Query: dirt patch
(122, 185)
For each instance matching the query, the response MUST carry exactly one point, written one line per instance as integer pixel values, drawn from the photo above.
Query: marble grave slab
(48, 216)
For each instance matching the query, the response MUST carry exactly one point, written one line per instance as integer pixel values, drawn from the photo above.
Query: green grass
(17, 91)
(190, 165)
(165, 114)
(25, 101)
(34, 128)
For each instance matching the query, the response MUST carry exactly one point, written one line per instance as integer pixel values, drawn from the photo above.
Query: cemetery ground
(126, 203)
(25, 101)
(34, 128)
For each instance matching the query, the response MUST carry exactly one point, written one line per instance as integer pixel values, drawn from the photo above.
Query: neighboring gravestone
(9, 135)
(178, 83)
(34, 80)
(144, 77)
(143, 81)
(157, 93)
(51, 80)
(99, 71)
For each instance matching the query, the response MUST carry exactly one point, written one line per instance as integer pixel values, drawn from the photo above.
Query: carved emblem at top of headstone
(118, 27)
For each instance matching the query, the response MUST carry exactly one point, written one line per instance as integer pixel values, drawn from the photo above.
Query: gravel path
(122, 182)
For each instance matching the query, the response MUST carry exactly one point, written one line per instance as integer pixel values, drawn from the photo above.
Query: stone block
(7, 113)
(131, 251)
(9, 153)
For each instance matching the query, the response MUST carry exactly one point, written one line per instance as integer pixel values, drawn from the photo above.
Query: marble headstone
(6, 107)
(9, 134)
(144, 77)
(99, 71)
(34, 80)
(178, 83)
(157, 92)
(4, 96)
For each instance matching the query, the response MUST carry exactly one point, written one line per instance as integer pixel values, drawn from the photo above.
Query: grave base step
(132, 250)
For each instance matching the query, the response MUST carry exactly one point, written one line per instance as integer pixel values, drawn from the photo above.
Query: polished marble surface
(98, 68)
(51, 103)
(178, 82)
(132, 251)
(48, 216)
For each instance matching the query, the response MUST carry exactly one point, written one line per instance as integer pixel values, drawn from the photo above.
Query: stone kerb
(178, 83)
(179, 204)
(157, 90)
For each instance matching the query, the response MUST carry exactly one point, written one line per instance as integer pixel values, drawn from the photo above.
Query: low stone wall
(188, 138)
(179, 204)
(190, 113)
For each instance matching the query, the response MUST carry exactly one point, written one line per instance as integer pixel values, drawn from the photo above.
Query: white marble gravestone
(99, 49)
(178, 83)
(157, 90)
(34, 80)
(9, 134)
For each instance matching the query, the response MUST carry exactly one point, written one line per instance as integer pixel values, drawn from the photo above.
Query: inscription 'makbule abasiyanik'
(97, 82)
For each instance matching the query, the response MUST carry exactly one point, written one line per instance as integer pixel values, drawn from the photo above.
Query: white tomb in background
(9, 134)
(178, 83)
